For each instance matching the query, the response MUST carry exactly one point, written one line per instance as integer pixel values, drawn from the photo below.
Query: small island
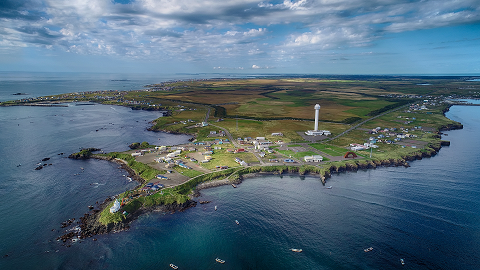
(245, 127)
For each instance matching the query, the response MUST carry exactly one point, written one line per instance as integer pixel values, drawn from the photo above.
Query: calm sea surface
(428, 214)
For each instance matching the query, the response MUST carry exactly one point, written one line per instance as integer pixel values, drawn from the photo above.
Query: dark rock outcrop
(84, 154)
(90, 225)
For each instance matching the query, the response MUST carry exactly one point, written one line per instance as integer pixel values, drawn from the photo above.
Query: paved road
(208, 114)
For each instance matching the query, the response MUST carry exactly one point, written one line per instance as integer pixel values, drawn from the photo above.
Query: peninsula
(307, 125)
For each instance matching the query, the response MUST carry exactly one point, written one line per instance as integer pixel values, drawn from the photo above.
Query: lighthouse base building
(317, 132)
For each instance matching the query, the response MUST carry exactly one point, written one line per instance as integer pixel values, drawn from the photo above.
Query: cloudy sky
(249, 36)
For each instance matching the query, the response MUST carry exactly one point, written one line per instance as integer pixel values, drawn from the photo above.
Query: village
(181, 163)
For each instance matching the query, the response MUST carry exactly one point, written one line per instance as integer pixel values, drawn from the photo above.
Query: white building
(262, 145)
(315, 158)
(318, 132)
(115, 207)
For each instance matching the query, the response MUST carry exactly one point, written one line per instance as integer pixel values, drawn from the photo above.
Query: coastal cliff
(90, 225)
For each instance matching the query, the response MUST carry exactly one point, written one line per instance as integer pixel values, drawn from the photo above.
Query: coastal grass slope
(403, 115)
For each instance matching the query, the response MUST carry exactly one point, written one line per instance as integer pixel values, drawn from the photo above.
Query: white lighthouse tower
(317, 112)
(315, 131)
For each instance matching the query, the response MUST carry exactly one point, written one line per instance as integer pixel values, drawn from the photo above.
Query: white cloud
(196, 30)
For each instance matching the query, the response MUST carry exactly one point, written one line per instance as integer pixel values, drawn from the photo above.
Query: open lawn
(331, 150)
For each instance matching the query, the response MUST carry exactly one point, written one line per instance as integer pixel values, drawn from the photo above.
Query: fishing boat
(368, 249)
(402, 261)
(236, 221)
(173, 266)
(219, 260)
(215, 208)
(296, 249)
(329, 187)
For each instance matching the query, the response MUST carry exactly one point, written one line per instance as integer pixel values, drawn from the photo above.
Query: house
(262, 144)
(356, 147)
(157, 187)
(314, 158)
(370, 145)
(184, 166)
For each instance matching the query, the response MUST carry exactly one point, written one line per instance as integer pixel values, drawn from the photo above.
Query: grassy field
(331, 150)
(187, 172)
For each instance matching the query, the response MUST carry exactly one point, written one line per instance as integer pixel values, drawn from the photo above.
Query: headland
(243, 128)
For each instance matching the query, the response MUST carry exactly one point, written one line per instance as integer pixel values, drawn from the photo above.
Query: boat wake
(96, 185)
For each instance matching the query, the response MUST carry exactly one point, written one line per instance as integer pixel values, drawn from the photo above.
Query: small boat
(173, 266)
(215, 208)
(402, 261)
(219, 260)
(234, 186)
(296, 249)
(368, 249)
(329, 187)
(236, 221)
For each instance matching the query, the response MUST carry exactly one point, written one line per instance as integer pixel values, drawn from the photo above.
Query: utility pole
(371, 149)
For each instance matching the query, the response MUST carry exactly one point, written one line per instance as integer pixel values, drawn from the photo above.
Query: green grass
(145, 171)
(188, 172)
(164, 197)
(331, 150)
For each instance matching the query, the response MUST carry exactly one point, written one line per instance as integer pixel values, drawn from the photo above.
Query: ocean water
(428, 214)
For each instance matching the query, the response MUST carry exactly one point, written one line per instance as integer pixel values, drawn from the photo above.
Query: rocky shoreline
(90, 226)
